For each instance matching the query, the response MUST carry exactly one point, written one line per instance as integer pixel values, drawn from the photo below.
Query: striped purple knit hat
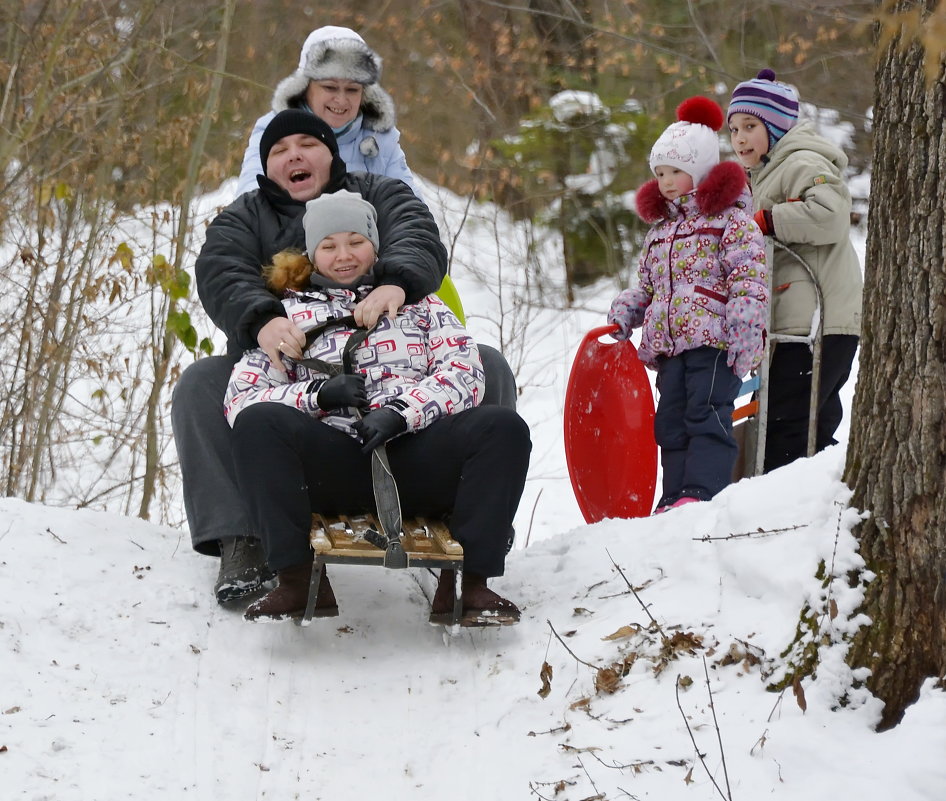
(775, 103)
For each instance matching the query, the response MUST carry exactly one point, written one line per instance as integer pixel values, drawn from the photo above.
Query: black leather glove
(341, 391)
(377, 427)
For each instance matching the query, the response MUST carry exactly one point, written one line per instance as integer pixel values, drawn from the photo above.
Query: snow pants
(212, 501)
(693, 424)
(469, 467)
(786, 433)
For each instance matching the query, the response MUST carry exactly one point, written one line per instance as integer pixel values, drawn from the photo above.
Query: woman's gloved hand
(379, 426)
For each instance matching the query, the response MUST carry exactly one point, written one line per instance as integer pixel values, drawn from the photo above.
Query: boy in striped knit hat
(799, 197)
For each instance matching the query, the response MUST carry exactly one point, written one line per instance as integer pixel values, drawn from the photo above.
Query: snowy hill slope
(123, 679)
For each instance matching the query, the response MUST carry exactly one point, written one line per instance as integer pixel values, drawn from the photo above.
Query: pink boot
(684, 501)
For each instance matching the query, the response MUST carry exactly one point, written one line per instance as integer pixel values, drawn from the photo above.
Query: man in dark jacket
(301, 160)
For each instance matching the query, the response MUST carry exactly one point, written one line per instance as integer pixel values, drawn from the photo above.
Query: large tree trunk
(896, 460)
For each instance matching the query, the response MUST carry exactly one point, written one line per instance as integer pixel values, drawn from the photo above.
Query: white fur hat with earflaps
(339, 53)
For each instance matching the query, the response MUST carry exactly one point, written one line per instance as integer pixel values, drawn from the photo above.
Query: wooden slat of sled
(339, 539)
(424, 540)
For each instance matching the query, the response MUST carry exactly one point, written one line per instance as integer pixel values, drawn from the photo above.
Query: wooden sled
(340, 539)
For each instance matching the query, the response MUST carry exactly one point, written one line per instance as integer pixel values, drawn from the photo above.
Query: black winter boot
(289, 598)
(243, 569)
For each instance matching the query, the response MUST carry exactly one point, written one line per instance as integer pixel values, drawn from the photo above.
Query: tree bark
(896, 461)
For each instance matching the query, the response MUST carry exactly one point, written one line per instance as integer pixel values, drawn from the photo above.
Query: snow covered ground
(640, 670)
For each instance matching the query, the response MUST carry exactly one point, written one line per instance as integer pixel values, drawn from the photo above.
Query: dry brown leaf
(686, 641)
(546, 675)
(573, 749)
(624, 632)
(581, 703)
(799, 692)
(685, 682)
(833, 609)
(688, 779)
(607, 680)
(628, 663)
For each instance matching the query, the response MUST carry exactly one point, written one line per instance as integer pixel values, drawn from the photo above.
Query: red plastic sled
(609, 430)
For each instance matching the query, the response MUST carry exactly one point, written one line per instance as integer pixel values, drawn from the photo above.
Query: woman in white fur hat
(338, 79)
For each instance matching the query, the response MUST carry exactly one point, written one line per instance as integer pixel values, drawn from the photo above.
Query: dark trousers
(786, 433)
(469, 466)
(693, 424)
(203, 438)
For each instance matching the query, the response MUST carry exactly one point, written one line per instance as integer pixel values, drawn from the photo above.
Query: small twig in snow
(759, 533)
(695, 746)
(532, 517)
(631, 588)
(582, 661)
(719, 736)
(760, 743)
(775, 706)
(593, 785)
(56, 536)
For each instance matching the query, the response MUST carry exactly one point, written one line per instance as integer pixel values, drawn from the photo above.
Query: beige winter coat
(803, 187)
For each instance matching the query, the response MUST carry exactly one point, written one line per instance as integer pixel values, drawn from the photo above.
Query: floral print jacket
(702, 276)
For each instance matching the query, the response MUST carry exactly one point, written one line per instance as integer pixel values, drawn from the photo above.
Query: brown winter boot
(289, 598)
(481, 606)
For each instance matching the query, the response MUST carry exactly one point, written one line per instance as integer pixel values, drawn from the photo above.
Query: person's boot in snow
(481, 606)
(243, 569)
(289, 598)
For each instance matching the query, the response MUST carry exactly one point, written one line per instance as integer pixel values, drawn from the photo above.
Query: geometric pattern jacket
(423, 364)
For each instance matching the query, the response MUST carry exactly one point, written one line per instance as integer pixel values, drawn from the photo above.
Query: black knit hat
(296, 121)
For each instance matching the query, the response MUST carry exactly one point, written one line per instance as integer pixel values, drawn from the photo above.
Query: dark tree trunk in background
(563, 27)
(896, 461)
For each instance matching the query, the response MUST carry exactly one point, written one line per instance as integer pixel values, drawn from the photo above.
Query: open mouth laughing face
(301, 164)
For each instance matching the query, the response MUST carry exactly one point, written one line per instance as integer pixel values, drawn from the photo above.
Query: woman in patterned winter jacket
(416, 383)
(701, 299)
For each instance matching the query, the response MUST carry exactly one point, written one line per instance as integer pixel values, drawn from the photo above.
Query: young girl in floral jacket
(701, 298)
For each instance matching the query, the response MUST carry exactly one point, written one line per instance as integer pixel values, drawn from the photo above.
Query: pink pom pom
(701, 110)
(766, 75)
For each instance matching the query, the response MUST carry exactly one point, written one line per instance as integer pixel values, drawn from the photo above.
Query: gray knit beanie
(335, 213)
